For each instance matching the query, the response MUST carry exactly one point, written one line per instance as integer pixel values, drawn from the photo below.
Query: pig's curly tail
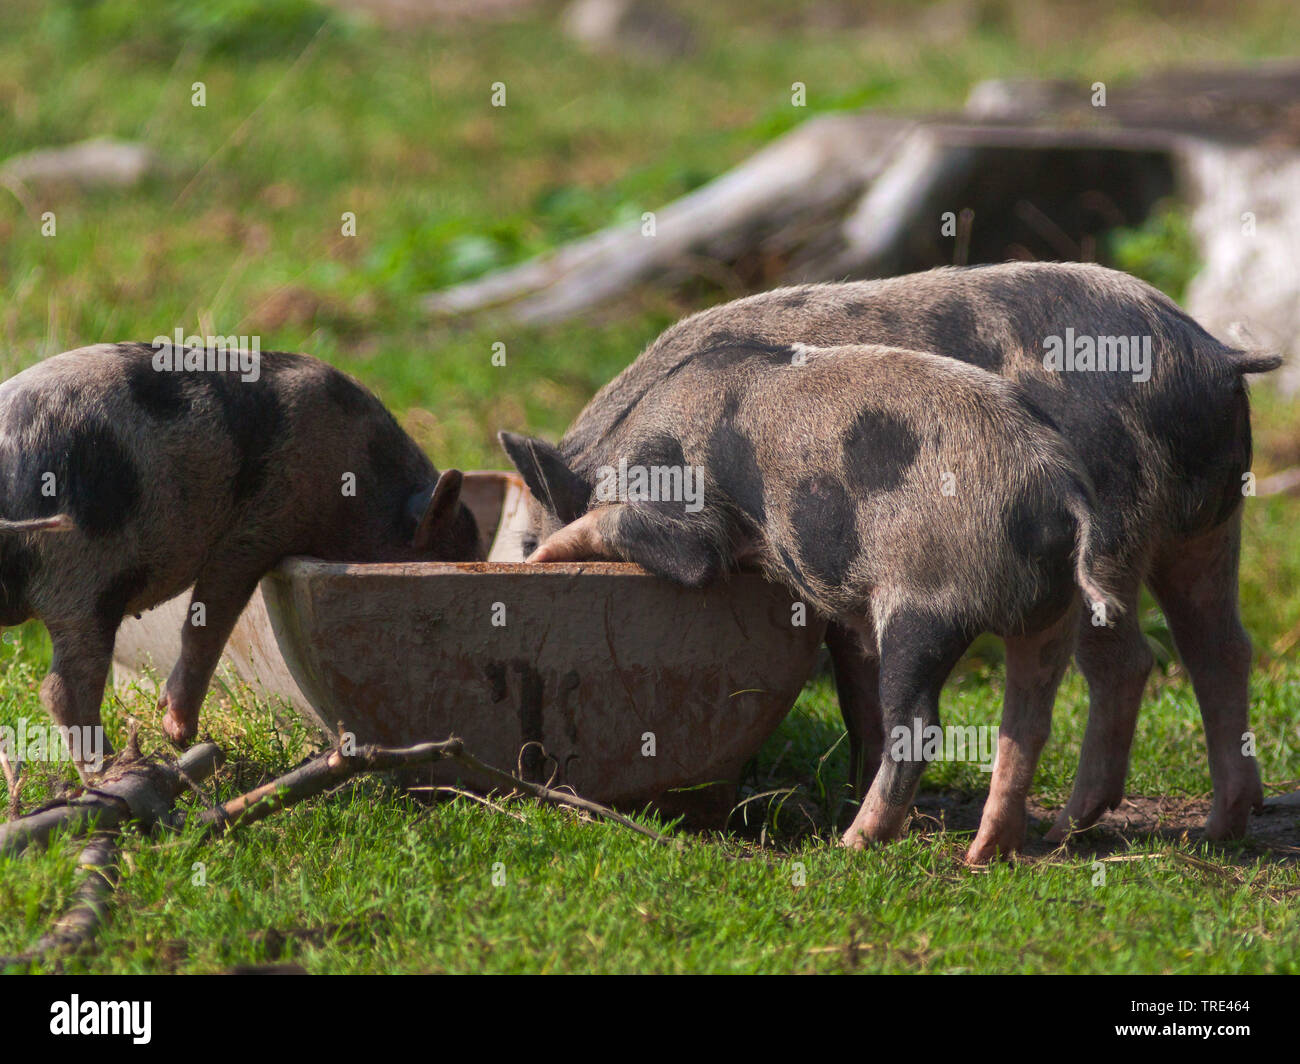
(57, 523)
(1091, 582)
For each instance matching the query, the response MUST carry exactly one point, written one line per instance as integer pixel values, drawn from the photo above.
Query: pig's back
(869, 470)
(1165, 454)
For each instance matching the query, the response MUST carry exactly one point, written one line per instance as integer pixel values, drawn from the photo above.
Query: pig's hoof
(179, 730)
(1229, 819)
(999, 841)
(985, 851)
(1081, 815)
(1224, 826)
(873, 833)
(1064, 827)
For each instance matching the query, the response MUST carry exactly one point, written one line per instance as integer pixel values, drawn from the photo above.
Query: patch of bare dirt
(1274, 833)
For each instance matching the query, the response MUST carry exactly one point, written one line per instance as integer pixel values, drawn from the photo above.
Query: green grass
(310, 115)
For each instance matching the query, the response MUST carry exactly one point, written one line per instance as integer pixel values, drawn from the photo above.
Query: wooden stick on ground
(334, 766)
(79, 925)
(1280, 483)
(142, 791)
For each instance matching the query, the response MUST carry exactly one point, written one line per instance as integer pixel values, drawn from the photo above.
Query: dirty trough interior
(596, 675)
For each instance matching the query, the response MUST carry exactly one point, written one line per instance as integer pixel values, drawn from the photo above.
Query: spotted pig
(1167, 447)
(916, 500)
(122, 484)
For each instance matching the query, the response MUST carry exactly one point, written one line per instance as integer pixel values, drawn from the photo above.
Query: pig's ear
(441, 508)
(548, 476)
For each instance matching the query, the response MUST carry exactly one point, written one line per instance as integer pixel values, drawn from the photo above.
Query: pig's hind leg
(917, 652)
(220, 595)
(73, 690)
(1035, 665)
(1195, 582)
(1116, 662)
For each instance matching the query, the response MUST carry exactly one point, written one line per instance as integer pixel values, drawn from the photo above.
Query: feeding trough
(596, 675)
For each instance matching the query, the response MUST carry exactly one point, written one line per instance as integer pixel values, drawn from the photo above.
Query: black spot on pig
(254, 418)
(734, 466)
(879, 448)
(1043, 531)
(668, 544)
(112, 602)
(662, 450)
(344, 393)
(665, 452)
(1208, 449)
(954, 326)
(1110, 451)
(18, 564)
(97, 480)
(825, 522)
(161, 394)
(791, 300)
(857, 310)
(1037, 527)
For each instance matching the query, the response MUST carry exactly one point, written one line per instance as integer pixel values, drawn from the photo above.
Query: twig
(334, 766)
(142, 791)
(460, 792)
(547, 794)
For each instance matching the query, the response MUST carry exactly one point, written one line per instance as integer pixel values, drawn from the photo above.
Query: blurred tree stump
(1029, 169)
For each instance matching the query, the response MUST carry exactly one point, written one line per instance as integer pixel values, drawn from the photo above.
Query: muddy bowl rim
(302, 567)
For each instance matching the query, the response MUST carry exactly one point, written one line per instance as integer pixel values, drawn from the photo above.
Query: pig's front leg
(917, 651)
(856, 666)
(74, 688)
(219, 597)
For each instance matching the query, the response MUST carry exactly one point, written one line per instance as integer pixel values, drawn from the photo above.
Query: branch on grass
(1283, 483)
(548, 794)
(799, 185)
(142, 791)
(81, 923)
(334, 766)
